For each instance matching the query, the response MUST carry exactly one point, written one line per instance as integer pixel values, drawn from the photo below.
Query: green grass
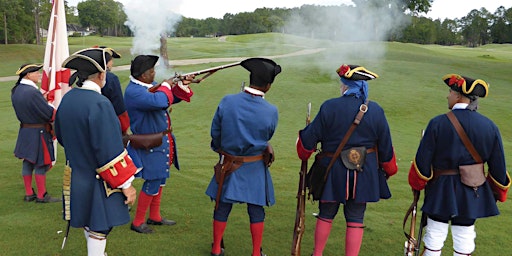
(409, 89)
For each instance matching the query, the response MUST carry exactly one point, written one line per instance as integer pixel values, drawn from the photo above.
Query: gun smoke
(354, 34)
(149, 20)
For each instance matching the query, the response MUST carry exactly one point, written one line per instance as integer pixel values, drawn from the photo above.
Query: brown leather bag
(472, 175)
(144, 141)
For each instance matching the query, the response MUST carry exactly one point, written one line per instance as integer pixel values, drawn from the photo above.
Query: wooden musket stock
(300, 214)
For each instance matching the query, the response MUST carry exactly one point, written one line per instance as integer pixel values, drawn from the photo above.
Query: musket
(300, 214)
(423, 223)
(413, 244)
(205, 72)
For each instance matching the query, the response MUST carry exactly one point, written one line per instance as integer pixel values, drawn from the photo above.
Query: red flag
(55, 79)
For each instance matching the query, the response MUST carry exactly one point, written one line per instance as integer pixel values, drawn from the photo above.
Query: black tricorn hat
(110, 51)
(28, 68)
(142, 63)
(263, 71)
(87, 61)
(355, 72)
(466, 86)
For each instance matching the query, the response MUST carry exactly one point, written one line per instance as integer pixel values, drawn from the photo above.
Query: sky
(201, 9)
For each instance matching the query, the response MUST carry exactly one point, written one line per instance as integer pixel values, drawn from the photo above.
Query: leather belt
(438, 172)
(22, 125)
(331, 154)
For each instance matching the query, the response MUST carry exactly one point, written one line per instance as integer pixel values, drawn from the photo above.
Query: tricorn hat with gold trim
(355, 72)
(86, 62)
(28, 68)
(466, 86)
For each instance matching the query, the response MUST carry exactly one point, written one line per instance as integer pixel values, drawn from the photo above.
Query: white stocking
(435, 235)
(463, 240)
(96, 243)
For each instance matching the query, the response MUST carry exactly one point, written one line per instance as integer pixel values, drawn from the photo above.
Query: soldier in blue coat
(98, 183)
(148, 108)
(35, 139)
(113, 91)
(241, 128)
(353, 188)
(436, 169)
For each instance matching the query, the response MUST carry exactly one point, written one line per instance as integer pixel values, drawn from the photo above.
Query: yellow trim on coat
(110, 165)
(502, 187)
(420, 174)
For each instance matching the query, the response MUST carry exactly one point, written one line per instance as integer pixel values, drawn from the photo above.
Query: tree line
(24, 20)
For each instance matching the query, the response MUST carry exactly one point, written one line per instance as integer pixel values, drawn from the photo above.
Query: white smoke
(353, 34)
(148, 20)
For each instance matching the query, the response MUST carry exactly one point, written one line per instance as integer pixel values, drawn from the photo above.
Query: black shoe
(31, 197)
(261, 252)
(143, 229)
(220, 254)
(47, 199)
(162, 222)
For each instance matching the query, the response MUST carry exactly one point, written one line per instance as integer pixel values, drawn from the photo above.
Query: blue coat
(441, 148)
(87, 127)
(329, 127)
(148, 113)
(33, 144)
(112, 90)
(242, 126)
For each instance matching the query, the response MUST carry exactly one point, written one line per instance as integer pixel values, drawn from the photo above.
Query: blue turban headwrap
(357, 87)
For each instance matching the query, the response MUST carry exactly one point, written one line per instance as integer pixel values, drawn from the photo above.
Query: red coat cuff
(390, 167)
(118, 170)
(167, 92)
(302, 152)
(124, 120)
(499, 190)
(181, 93)
(415, 180)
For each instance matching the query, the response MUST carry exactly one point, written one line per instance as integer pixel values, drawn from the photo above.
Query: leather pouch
(353, 158)
(472, 175)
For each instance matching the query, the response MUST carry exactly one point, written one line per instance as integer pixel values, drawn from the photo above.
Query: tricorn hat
(355, 72)
(142, 63)
(28, 68)
(110, 51)
(466, 86)
(86, 62)
(263, 71)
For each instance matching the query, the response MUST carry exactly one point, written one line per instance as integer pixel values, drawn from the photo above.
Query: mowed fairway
(409, 89)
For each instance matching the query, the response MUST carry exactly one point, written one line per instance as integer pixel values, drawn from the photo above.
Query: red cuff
(415, 181)
(167, 92)
(118, 170)
(124, 120)
(390, 167)
(302, 152)
(500, 192)
(182, 94)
